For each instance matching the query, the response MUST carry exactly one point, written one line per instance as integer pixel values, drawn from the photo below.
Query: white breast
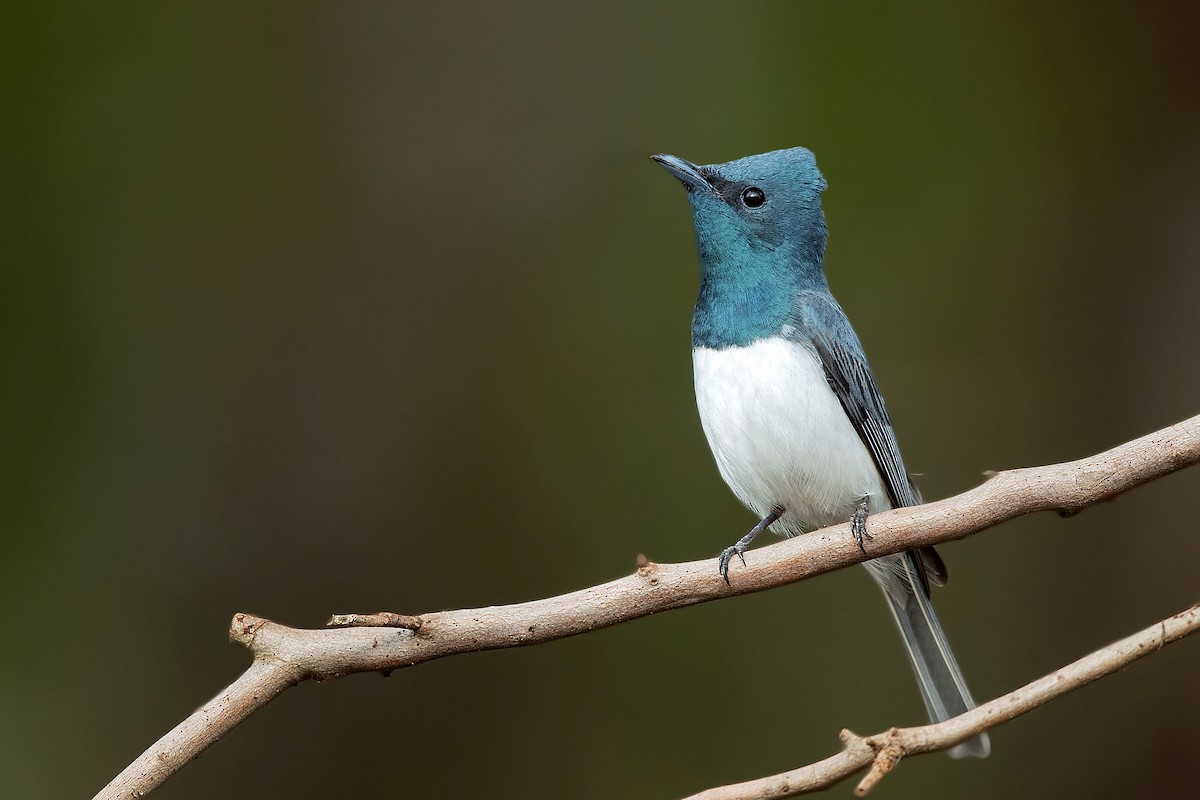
(780, 436)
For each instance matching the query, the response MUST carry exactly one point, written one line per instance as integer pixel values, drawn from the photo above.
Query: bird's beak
(687, 172)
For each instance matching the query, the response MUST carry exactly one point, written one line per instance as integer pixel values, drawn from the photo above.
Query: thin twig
(883, 751)
(284, 656)
(380, 619)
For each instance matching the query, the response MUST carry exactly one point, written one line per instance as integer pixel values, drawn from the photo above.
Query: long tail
(942, 686)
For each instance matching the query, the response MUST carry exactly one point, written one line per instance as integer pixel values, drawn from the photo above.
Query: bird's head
(759, 212)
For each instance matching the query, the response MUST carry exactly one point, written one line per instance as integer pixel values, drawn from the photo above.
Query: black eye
(753, 197)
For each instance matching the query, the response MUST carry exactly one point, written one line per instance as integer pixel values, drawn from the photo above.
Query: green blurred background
(313, 308)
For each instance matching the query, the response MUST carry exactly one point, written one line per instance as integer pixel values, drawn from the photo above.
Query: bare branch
(284, 656)
(883, 751)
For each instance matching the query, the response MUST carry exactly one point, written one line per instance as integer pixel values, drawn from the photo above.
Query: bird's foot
(739, 548)
(858, 525)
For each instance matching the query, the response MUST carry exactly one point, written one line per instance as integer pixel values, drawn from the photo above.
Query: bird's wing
(825, 325)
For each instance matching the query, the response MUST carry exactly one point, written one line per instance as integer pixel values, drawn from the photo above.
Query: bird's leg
(858, 525)
(743, 543)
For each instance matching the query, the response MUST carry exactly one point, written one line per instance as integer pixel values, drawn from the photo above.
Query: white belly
(780, 436)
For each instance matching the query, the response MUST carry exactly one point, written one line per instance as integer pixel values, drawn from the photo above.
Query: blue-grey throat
(787, 400)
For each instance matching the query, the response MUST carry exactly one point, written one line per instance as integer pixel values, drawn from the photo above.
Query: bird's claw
(858, 526)
(727, 555)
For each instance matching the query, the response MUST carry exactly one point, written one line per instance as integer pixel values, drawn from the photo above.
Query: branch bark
(883, 751)
(285, 656)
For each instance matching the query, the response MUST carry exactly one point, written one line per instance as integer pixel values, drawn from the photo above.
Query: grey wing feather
(851, 379)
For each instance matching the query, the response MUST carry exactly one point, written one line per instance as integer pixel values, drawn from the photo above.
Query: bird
(788, 403)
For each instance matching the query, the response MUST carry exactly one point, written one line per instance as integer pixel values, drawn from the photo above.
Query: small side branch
(380, 619)
(284, 656)
(883, 751)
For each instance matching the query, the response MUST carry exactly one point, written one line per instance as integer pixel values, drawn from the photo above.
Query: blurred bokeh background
(326, 307)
